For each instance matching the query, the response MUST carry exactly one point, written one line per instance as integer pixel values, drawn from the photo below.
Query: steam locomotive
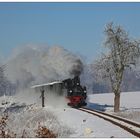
(76, 93)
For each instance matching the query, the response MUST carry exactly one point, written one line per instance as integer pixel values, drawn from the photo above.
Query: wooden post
(42, 96)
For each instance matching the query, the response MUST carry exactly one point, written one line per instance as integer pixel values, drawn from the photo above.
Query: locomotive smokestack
(77, 68)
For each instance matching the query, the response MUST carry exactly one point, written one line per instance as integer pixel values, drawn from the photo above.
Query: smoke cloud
(77, 68)
(36, 64)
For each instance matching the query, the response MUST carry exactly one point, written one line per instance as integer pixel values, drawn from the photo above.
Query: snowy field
(69, 122)
(129, 108)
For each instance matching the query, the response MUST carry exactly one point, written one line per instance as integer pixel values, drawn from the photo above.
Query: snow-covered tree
(6, 87)
(2, 81)
(122, 53)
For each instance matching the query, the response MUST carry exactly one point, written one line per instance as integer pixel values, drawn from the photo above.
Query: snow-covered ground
(129, 108)
(87, 125)
(69, 122)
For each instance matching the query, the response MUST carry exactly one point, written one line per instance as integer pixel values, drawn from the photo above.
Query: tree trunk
(117, 102)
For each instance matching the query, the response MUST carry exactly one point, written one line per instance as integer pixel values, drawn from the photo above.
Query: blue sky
(77, 27)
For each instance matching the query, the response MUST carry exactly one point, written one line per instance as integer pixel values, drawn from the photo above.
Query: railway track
(128, 125)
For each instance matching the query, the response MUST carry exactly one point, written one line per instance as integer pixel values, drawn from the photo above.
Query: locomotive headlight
(85, 91)
(77, 83)
(70, 91)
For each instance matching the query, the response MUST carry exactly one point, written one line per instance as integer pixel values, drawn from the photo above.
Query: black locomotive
(76, 93)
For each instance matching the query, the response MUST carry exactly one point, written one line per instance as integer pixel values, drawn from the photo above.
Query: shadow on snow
(98, 106)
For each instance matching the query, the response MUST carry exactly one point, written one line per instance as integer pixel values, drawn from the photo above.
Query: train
(71, 89)
(76, 93)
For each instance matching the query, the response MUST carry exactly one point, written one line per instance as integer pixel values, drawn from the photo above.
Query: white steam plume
(41, 64)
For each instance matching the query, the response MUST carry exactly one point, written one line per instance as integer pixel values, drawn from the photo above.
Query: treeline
(131, 82)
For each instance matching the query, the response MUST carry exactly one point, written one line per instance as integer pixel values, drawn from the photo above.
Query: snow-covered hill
(69, 122)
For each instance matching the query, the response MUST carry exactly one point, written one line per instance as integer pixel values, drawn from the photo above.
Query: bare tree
(122, 53)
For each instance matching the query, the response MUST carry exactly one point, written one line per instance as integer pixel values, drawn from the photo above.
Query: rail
(128, 125)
